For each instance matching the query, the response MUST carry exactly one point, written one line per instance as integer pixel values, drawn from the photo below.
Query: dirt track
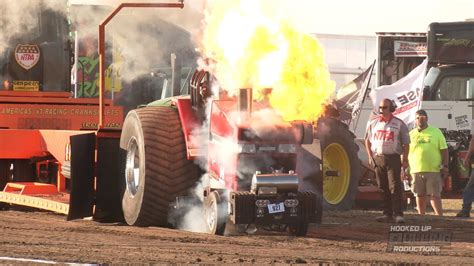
(343, 237)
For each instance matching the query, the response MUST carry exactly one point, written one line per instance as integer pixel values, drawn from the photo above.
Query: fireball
(251, 47)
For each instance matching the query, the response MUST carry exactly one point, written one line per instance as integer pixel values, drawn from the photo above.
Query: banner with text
(406, 93)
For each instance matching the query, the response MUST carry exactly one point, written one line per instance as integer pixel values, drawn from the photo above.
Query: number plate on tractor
(276, 207)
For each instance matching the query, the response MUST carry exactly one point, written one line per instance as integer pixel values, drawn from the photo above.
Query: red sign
(409, 49)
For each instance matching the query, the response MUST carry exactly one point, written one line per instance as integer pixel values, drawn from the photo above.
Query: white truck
(448, 90)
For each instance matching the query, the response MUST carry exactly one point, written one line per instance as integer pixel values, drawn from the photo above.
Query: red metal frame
(67, 116)
(25, 144)
(220, 120)
(189, 123)
(28, 188)
(25, 115)
(36, 94)
(222, 130)
(21, 144)
(47, 97)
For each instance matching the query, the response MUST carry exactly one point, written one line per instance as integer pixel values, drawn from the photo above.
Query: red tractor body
(251, 164)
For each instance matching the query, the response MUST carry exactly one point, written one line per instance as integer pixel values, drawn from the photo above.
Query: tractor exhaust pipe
(245, 101)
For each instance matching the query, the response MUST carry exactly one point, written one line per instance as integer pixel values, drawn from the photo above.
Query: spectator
(427, 156)
(468, 193)
(386, 139)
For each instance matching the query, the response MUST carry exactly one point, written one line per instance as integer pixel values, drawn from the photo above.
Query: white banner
(406, 93)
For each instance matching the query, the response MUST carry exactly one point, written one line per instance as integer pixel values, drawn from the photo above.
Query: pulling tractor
(252, 169)
(268, 176)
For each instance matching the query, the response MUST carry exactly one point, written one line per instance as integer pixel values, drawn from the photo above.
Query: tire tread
(168, 172)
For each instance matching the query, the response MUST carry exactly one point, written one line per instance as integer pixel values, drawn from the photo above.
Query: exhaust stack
(245, 101)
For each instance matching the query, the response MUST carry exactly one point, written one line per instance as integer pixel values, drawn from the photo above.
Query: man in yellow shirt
(427, 157)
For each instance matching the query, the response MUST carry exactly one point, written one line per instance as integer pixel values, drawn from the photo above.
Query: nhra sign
(409, 49)
(27, 55)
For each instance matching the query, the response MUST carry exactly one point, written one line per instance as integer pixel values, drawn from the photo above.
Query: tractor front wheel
(299, 229)
(214, 214)
(341, 164)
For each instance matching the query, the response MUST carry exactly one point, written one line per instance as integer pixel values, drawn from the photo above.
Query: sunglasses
(383, 107)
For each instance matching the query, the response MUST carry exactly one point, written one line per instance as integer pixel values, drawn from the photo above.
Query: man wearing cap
(428, 157)
(387, 143)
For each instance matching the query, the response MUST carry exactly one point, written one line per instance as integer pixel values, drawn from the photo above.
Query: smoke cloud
(143, 38)
(138, 41)
(21, 17)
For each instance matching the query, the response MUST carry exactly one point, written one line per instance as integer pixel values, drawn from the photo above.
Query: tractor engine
(252, 168)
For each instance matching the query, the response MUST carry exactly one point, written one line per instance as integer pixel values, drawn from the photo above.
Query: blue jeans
(468, 194)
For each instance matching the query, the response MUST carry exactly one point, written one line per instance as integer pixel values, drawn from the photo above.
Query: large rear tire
(341, 165)
(156, 167)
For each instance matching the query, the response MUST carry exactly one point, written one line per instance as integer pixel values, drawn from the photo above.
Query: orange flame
(252, 48)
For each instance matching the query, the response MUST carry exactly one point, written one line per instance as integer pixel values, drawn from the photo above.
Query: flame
(251, 47)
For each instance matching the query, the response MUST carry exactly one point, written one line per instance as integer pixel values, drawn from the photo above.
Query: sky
(365, 17)
(361, 17)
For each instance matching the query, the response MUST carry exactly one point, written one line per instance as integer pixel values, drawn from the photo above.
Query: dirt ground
(344, 237)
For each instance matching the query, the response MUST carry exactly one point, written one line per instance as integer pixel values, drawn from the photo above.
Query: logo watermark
(417, 238)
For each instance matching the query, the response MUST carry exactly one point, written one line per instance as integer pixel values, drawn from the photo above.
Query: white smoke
(144, 37)
(21, 17)
(265, 120)
(193, 219)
